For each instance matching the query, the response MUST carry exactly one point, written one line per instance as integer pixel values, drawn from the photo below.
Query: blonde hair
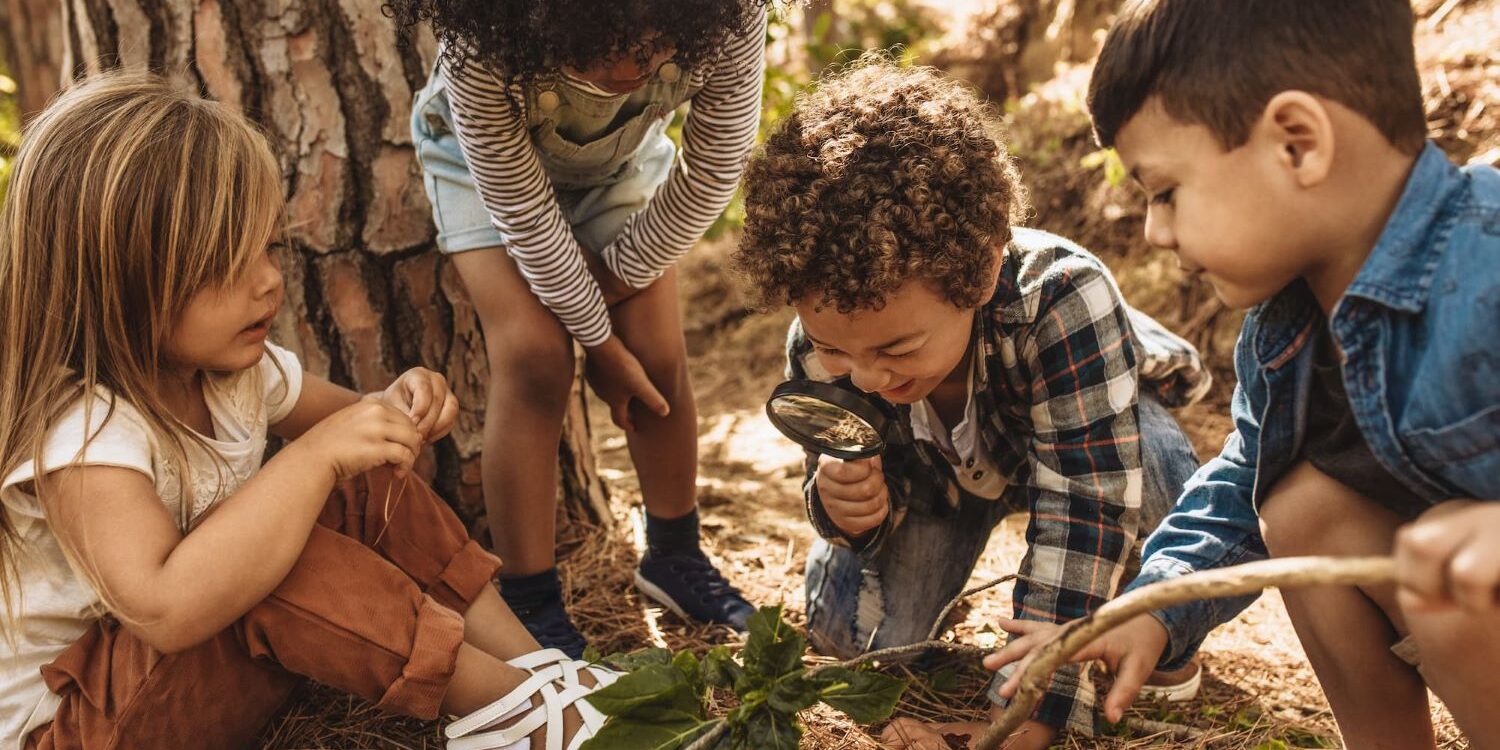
(127, 198)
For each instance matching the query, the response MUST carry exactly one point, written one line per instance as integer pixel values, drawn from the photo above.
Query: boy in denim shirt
(1281, 144)
(881, 210)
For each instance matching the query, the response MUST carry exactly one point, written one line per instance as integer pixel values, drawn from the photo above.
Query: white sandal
(554, 677)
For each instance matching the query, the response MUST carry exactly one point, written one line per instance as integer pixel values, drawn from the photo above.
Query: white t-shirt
(58, 604)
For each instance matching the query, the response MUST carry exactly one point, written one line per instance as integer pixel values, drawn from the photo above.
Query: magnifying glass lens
(830, 427)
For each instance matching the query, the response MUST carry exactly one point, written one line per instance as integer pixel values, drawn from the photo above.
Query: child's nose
(870, 379)
(1159, 230)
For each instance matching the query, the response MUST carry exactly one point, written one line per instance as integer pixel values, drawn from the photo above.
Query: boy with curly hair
(1367, 412)
(881, 210)
(563, 203)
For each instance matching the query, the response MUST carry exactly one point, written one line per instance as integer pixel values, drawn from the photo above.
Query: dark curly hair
(522, 39)
(879, 175)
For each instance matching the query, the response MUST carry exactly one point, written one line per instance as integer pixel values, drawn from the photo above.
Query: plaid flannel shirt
(1063, 358)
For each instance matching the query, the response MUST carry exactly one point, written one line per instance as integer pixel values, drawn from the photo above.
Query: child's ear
(1297, 126)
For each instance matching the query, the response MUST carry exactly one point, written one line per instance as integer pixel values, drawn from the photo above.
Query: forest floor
(1259, 691)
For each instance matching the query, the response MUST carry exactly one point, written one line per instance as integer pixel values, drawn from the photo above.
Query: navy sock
(669, 535)
(526, 592)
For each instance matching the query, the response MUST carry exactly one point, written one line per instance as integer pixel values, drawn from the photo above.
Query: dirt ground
(1259, 691)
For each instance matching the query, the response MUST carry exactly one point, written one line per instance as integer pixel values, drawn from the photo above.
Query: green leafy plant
(661, 701)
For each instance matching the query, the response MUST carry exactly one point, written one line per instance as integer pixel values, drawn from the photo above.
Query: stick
(1208, 584)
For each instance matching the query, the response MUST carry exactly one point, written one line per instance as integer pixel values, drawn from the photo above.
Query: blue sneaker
(688, 584)
(549, 624)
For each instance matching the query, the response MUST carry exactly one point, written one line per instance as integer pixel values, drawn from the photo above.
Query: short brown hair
(879, 175)
(1217, 63)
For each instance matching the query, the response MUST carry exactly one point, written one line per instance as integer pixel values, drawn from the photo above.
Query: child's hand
(362, 436)
(618, 378)
(853, 493)
(1451, 556)
(1131, 651)
(614, 289)
(424, 396)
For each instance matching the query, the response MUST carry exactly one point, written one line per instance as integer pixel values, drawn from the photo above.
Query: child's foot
(1175, 686)
(687, 583)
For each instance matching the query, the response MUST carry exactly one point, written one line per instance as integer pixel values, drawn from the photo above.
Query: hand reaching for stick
(1131, 652)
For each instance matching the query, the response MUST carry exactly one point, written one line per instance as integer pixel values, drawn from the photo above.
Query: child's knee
(1309, 513)
(537, 369)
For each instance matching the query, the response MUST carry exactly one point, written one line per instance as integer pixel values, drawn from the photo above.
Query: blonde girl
(163, 588)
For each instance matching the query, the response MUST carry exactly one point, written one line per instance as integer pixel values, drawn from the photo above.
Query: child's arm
(1213, 525)
(419, 393)
(176, 590)
(716, 139)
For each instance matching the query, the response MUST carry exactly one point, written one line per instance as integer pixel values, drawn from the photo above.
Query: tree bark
(33, 42)
(367, 293)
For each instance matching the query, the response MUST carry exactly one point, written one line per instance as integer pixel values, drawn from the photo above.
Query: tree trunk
(367, 294)
(33, 42)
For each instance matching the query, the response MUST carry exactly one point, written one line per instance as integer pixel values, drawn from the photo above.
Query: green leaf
(592, 655)
(720, 670)
(1271, 745)
(661, 732)
(791, 694)
(655, 685)
(769, 730)
(773, 647)
(867, 697)
(637, 659)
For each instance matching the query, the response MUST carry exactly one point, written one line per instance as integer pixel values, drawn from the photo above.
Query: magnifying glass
(835, 419)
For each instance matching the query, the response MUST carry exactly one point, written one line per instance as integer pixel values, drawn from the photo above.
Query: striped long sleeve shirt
(716, 140)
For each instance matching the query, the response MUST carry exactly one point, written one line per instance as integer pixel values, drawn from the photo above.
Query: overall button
(969, 464)
(669, 72)
(548, 101)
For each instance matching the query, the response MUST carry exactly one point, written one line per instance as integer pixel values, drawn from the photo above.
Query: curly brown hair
(522, 39)
(879, 175)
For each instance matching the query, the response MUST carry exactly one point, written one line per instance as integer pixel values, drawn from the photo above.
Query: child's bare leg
(480, 679)
(491, 627)
(1460, 655)
(1378, 700)
(664, 449)
(530, 377)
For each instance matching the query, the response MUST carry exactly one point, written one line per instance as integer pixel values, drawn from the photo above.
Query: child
(1297, 182)
(162, 588)
(880, 210)
(562, 202)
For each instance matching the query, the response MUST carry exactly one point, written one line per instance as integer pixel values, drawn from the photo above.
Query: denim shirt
(1419, 328)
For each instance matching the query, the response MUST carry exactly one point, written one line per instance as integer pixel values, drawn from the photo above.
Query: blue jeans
(853, 606)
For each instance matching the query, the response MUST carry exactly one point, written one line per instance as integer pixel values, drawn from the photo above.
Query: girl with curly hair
(564, 205)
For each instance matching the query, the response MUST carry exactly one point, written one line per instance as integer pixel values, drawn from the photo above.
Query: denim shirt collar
(1398, 273)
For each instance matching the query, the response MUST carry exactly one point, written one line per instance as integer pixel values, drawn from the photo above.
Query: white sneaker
(1179, 693)
(554, 679)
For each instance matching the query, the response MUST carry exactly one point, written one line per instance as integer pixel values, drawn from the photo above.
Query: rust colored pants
(370, 607)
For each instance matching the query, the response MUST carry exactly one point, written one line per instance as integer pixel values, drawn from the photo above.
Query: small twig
(1208, 584)
(707, 740)
(937, 627)
(1177, 731)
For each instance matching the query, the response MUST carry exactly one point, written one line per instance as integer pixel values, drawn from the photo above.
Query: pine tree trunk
(367, 294)
(31, 34)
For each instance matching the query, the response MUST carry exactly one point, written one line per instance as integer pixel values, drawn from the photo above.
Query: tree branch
(1209, 584)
